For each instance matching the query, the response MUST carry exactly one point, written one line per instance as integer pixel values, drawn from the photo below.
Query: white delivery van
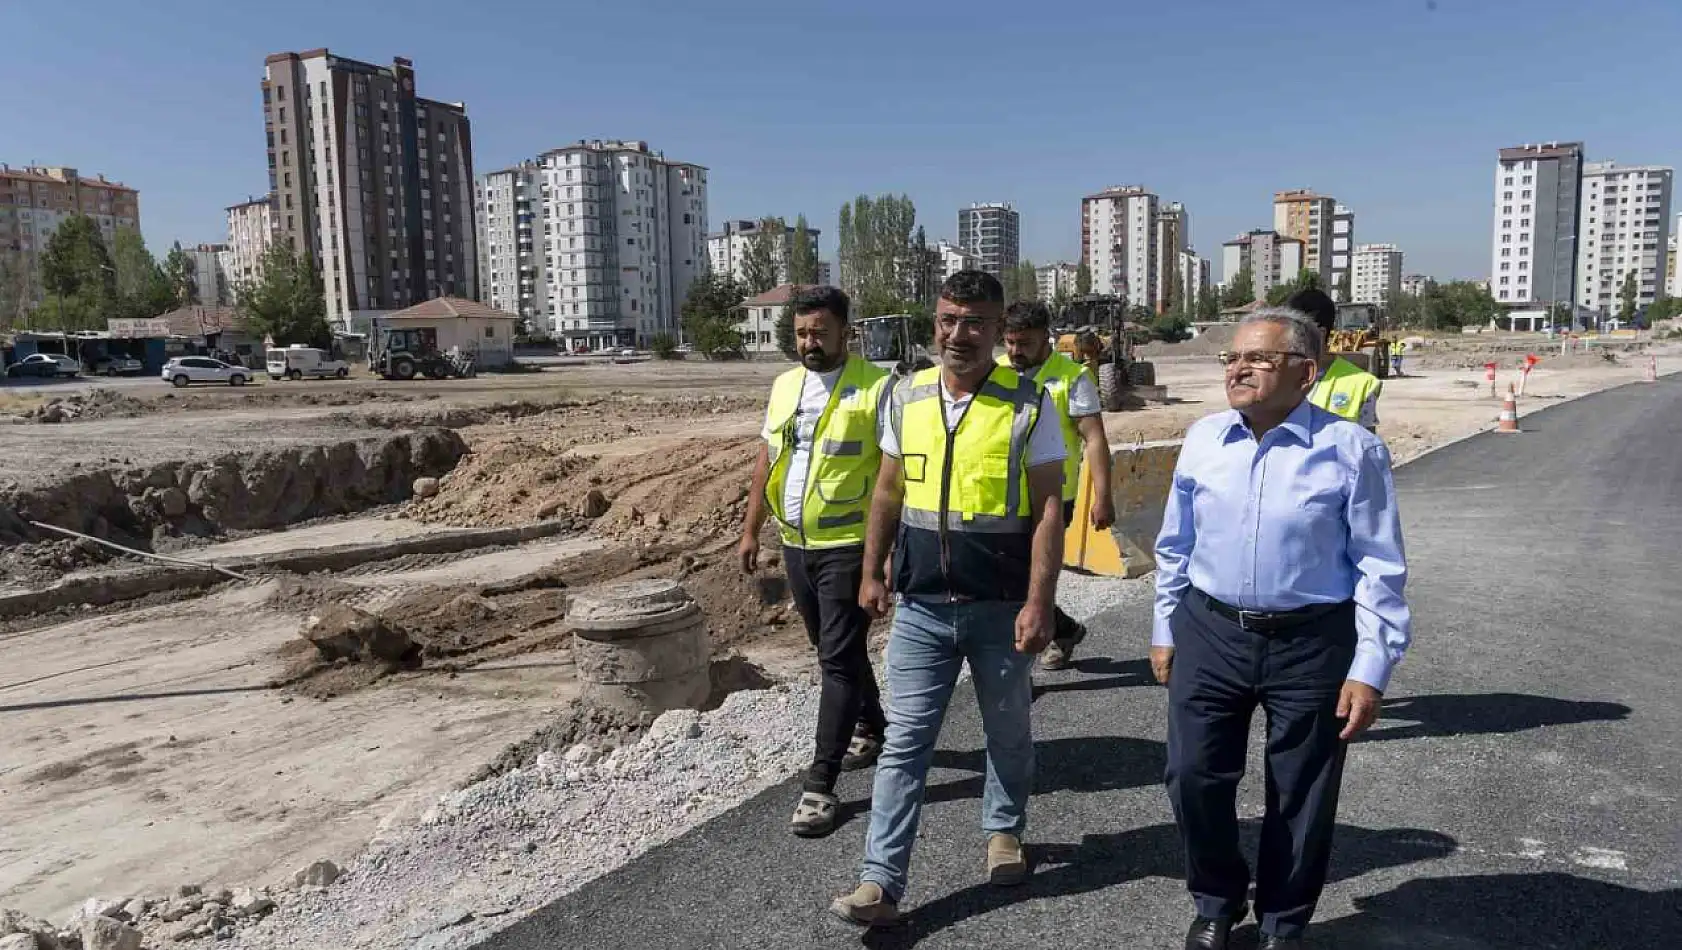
(297, 361)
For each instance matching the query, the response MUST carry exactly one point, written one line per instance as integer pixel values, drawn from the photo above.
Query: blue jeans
(927, 647)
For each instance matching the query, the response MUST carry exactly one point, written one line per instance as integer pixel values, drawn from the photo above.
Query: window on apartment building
(1524, 237)
(1503, 281)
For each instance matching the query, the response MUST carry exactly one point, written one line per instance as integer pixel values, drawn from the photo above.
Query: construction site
(336, 693)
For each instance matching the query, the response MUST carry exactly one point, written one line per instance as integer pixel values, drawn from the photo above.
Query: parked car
(295, 362)
(183, 371)
(45, 364)
(118, 366)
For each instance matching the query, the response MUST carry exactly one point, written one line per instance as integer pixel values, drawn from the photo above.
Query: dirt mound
(93, 404)
(697, 486)
(1210, 342)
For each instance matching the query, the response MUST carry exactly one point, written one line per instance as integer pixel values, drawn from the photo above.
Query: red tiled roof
(447, 307)
(774, 296)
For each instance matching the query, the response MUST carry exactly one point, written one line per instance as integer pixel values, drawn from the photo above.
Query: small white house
(758, 325)
(478, 330)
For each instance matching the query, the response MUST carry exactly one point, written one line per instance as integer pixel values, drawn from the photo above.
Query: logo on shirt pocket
(1340, 401)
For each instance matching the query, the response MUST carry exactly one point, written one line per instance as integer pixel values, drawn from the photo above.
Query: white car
(183, 371)
(45, 364)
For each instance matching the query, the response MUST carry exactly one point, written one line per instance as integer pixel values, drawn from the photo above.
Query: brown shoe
(866, 905)
(1006, 864)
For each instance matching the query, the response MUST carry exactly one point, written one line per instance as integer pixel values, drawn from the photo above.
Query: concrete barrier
(1141, 476)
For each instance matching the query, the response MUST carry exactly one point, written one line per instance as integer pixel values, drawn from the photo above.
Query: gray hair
(1303, 334)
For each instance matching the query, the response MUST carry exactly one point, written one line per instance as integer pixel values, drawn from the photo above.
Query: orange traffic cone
(1508, 420)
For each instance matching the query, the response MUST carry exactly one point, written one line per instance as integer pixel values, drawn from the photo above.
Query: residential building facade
(758, 326)
(373, 180)
(954, 259)
(727, 249)
(826, 274)
(1307, 217)
(1270, 257)
(598, 240)
(1623, 228)
(1537, 203)
(1377, 275)
(1343, 251)
(1173, 238)
(1118, 239)
(991, 232)
(1055, 279)
(250, 234)
(34, 201)
(1414, 284)
(1194, 279)
(1671, 288)
(212, 274)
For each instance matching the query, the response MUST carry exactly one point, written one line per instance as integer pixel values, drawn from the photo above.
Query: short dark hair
(1027, 315)
(1315, 305)
(973, 286)
(806, 300)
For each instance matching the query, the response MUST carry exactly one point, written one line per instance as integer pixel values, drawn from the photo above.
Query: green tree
(1239, 291)
(141, 287)
(182, 276)
(15, 291)
(1626, 299)
(1060, 301)
(1083, 279)
(663, 346)
(875, 252)
(1663, 307)
(710, 314)
(1170, 328)
(1020, 282)
(78, 277)
(1208, 303)
(286, 302)
(759, 262)
(802, 258)
(1305, 280)
(785, 332)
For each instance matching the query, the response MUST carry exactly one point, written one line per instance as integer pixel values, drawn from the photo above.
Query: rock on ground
(103, 933)
(317, 874)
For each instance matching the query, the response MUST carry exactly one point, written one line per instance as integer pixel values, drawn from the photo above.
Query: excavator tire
(403, 369)
(1141, 373)
(1111, 386)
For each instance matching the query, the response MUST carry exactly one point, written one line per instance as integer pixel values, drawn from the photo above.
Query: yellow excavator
(1099, 337)
(1359, 338)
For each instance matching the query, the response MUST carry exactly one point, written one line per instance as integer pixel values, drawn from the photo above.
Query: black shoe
(1211, 933)
(1270, 942)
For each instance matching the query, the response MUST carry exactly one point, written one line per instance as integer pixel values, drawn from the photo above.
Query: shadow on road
(1556, 911)
(1116, 674)
(1487, 713)
(131, 698)
(1103, 861)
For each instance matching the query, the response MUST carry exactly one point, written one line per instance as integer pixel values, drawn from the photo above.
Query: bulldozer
(403, 354)
(1359, 338)
(887, 341)
(1099, 336)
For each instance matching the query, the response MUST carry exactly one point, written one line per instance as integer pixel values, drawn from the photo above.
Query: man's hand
(1162, 663)
(748, 551)
(1035, 624)
(1103, 513)
(874, 597)
(1359, 704)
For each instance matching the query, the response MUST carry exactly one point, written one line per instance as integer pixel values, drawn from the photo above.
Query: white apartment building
(1623, 226)
(1173, 238)
(605, 237)
(727, 249)
(212, 274)
(1670, 285)
(1534, 253)
(826, 274)
(1343, 249)
(1377, 277)
(991, 232)
(954, 259)
(1194, 278)
(1054, 279)
(1118, 243)
(1414, 284)
(250, 233)
(1271, 258)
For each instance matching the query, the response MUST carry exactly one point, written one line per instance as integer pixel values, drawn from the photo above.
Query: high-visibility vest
(844, 457)
(966, 525)
(1344, 389)
(1057, 376)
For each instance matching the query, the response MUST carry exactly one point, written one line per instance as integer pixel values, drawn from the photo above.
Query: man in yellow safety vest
(1343, 389)
(970, 499)
(815, 473)
(1080, 418)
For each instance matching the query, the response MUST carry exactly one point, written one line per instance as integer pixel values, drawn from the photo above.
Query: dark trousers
(1066, 626)
(1221, 673)
(825, 585)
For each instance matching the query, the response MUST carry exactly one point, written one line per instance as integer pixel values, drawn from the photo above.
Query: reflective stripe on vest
(1344, 389)
(1057, 376)
(844, 457)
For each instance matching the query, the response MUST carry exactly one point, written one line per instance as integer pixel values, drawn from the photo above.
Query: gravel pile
(491, 852)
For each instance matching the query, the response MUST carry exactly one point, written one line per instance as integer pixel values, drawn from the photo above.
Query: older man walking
(1279, 584)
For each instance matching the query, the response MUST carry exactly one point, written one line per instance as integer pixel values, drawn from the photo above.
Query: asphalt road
(1521, 791)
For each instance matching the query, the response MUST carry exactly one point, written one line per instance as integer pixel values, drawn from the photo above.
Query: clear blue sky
(1396, 107)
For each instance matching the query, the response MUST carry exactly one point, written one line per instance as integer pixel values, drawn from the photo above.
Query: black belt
(1269, 621)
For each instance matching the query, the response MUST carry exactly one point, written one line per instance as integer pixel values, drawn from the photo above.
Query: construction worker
(1343, 389)
(815, 473)
(1080, 418)
(970, 500)
(1397, 350)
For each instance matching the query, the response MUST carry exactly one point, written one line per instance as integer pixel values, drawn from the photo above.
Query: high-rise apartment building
(1173, 238)
(34, 201)
(1055, 279)
(1343, 251)
(727, 249)
(1270, 257)
(991, 232)
(1534, 254)
(954, 259)
(1623, 227)
(373, 180)
(1118, 239)
(1377, 275)
(1414, 284)
(1307, 217)
(211, 267)
(1671, 288)
(598, 240)
(1194, 279)
(250, 234)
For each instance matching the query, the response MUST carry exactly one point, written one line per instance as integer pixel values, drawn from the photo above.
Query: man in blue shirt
(1279, 583)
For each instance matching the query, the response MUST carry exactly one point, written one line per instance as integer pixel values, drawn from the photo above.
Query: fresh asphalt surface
(1521, 791)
